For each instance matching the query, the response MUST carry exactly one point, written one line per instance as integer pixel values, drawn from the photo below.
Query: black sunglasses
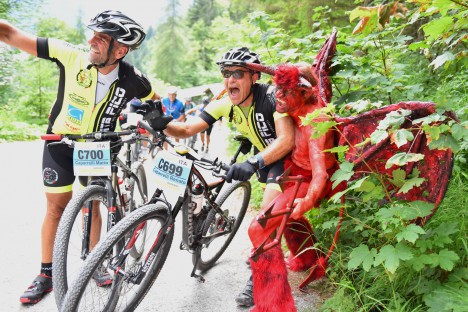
(238, 74)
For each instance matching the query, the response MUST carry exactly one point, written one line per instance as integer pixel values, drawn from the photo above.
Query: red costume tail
(272, 292)
(300, 240)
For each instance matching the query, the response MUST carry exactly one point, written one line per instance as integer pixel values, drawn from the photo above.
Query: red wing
(321, 66)
(435, 168)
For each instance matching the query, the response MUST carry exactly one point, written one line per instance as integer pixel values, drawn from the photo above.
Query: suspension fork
(111, 187)
(87, 215)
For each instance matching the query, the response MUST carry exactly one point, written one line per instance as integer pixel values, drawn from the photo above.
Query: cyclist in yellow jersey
(251, 106)
(94, 86)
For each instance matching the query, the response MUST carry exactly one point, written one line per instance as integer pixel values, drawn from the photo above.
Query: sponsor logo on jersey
(263, 129)
(75, 98)
(84, 78)
(236, 117)
(112, 110)
(75, 114)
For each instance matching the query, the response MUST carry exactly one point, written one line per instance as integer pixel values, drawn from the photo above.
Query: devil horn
(270, 70)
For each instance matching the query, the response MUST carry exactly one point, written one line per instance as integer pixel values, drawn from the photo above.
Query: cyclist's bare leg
(56, 203)
(202, 137)
(95, 225)
(207, 141)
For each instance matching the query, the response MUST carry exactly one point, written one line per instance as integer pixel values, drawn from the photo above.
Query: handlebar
(192, 153)
(89, 136)
(100, 136)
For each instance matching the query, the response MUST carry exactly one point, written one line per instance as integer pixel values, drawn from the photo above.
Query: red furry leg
(272, 292)
(300, 240)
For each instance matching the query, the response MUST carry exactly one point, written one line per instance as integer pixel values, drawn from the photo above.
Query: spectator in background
(205, 134)
(188, 106)
(173, 106)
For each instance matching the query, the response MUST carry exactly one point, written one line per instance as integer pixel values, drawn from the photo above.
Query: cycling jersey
(258, 125)
(74, 110)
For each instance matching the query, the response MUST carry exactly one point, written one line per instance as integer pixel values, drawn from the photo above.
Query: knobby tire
(67, 249)
(122, 295)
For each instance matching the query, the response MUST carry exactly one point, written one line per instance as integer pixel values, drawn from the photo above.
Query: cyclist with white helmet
(251, 106)
(94, 87)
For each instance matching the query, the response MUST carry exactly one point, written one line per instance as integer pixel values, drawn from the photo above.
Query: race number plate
(92, 159)
(171, 172)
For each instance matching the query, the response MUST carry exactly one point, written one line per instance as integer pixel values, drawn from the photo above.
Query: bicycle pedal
(200, 278)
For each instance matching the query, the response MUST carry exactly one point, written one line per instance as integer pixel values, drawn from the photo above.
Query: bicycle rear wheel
(123, 294)
(233, 202)
(69, 252)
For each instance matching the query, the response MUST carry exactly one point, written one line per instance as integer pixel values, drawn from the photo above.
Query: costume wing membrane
(435, 167)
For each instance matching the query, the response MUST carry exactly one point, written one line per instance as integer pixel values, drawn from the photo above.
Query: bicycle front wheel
(123, 294)
(136, 199)
(216, 231)
(72, 243)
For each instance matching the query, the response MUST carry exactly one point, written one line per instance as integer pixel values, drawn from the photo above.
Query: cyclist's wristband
(261, 161)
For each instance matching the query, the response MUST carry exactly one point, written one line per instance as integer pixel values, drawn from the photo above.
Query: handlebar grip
(226, 167)
(51, 137)
(146, 126)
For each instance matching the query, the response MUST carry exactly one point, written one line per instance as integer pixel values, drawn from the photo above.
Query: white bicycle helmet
(120, 27)
(238, 57)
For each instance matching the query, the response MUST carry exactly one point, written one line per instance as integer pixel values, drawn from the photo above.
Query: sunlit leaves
(394, 119)
(343, 174)
(401, 137)
(442, 59)
(401, 159)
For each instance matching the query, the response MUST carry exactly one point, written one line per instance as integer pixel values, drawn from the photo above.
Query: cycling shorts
(267, 176)
(208, 130)
(57, 168)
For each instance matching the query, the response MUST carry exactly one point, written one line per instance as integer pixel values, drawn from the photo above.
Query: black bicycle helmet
(120, 27)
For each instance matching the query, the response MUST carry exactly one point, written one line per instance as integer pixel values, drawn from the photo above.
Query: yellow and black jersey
(74, 110)
(257, 122)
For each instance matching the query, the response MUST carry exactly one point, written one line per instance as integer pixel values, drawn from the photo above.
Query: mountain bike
(208, 227)
(114, 195)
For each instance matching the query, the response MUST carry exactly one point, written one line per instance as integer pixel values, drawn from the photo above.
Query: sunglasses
(238, 74)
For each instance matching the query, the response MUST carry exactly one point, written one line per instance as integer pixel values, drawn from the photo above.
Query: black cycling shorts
(57, 167)
(269, 174)
(208, 130)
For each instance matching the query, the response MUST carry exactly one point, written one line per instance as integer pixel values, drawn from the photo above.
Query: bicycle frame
(211, 192)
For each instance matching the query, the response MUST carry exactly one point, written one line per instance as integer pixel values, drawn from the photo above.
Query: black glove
(150, 109)
(153, 113)
(240, 172)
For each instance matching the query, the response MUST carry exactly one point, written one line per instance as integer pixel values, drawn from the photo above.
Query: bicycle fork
(118, 264)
